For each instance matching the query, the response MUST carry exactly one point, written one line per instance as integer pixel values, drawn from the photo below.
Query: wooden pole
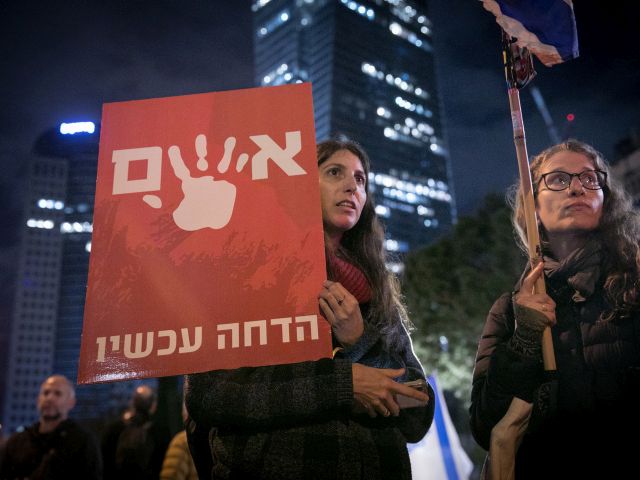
(529, 207)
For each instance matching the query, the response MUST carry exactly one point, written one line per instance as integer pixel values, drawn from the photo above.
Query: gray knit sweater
(295, 422)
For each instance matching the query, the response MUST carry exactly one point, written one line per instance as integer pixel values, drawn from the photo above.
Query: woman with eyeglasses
(581, 424)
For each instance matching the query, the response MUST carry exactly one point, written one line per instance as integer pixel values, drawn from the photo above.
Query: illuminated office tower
(78, 145)
(32, 331)
(48, 311)
(80, 151)
(371, 65)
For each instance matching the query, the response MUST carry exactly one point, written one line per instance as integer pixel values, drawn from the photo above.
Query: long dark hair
(619, 229)
(363, 246)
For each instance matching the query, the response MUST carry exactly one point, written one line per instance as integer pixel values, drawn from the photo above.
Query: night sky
(60, 61)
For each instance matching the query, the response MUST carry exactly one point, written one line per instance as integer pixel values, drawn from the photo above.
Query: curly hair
(363, 246)
(619, 228)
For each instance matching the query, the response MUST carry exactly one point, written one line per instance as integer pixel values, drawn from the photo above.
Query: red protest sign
(207, 249)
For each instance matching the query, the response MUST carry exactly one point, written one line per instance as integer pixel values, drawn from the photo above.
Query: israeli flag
(439, 455)
(546, 27)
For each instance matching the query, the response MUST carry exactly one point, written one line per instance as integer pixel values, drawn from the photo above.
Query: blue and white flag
(439, 455)
(546, 27)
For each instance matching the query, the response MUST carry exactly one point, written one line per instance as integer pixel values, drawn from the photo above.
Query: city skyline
(66, 62)
(63, 61)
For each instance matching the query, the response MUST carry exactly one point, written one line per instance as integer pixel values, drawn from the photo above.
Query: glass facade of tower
(372, 70)
(33, 323)
(80, 151)
(48, 313)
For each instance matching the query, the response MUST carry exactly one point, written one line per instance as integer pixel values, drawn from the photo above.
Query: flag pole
(518, 72)
(508, 433)
(553, 39)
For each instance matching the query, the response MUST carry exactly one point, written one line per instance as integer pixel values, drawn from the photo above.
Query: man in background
(55, 447)
(133, 446)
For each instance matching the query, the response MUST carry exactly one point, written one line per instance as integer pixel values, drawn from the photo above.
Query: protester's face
(56, 399)
(575, 209)
(343, 192)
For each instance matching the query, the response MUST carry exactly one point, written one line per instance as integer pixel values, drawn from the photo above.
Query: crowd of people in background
(130, 447)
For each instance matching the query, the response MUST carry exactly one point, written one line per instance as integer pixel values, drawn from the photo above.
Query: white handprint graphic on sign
(218, 194)
(207, 203)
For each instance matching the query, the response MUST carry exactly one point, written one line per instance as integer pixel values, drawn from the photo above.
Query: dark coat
(67, 452)
(582, 428)
(151, 454)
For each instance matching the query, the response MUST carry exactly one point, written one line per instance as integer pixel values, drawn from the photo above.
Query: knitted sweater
(294, 421)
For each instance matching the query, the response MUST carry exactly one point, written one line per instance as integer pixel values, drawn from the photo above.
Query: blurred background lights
(77, 127)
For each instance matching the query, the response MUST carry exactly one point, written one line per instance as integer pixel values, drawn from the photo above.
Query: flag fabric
(439, 455)
(518, 63)
(546, 27)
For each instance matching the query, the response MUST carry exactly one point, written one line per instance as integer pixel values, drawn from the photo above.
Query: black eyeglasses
(589, 179)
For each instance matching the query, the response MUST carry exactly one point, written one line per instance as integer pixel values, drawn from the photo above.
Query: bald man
(55, 447)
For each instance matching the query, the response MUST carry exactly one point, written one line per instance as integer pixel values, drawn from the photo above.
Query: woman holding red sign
(349, 416)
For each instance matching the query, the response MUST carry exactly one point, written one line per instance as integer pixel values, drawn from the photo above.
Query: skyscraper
(32, 328)
(371, 65)
(46, 323)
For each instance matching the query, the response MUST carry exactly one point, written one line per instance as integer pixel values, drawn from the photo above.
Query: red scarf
(351, 278)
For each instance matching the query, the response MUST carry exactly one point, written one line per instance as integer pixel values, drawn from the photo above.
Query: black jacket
(580, 427)
(67, 452)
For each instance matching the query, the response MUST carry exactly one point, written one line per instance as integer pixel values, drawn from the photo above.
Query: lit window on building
(392, 245)
(359, 9)
(437, 148)
(76, 227)
(390, 133)
(274, 23)
(396, 267)
(408, 14)
(411, 192)
(402, 82)
(383, 112)
(49, 204)
(39, 223)
(413, 107)
(431, 223)
(258, 4)
(410, 36)
(383, 211)
(278, 76)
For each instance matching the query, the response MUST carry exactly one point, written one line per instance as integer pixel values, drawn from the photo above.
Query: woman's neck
(563, 244)
(332, 241)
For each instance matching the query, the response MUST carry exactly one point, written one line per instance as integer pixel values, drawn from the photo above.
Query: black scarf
(580, 270)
